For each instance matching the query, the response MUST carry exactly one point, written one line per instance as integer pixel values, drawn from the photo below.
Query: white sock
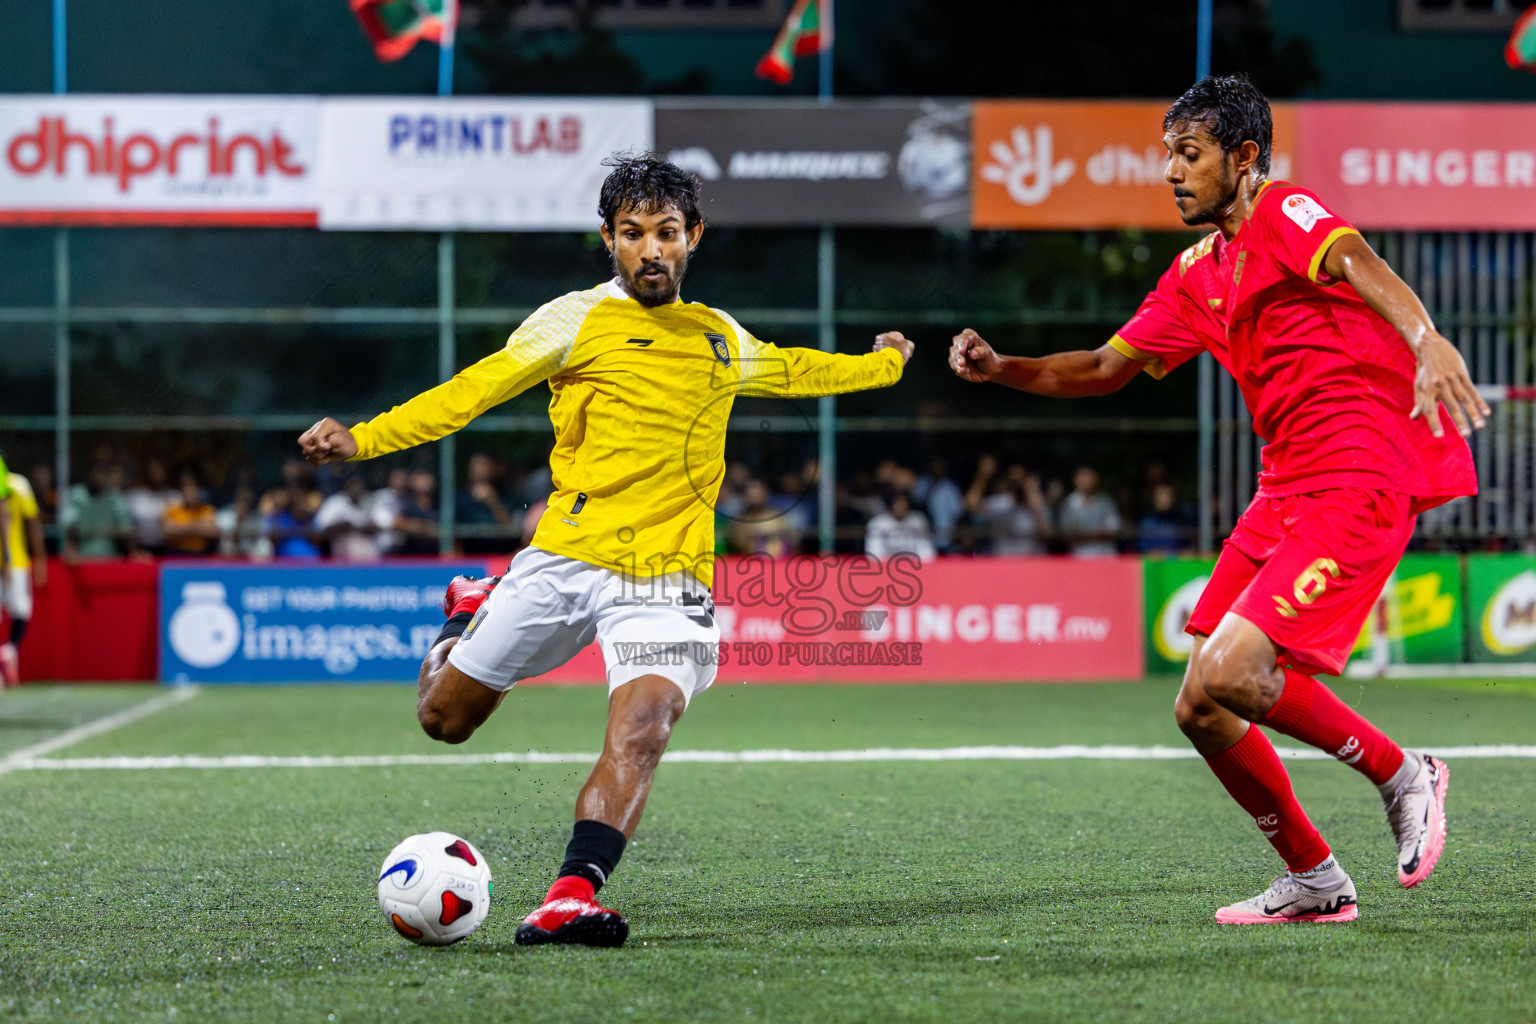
(1327, 875)
(1405, 772)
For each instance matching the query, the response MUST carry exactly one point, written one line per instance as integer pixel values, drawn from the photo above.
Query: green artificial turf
(886, 891)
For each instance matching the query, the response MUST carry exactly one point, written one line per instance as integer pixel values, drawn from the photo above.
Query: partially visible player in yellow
(23, 531)
(643, 385)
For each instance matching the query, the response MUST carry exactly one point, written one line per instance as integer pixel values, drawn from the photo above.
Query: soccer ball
(435, 888)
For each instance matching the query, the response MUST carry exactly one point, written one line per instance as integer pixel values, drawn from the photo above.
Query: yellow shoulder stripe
(1154, 364)
(1316, 266)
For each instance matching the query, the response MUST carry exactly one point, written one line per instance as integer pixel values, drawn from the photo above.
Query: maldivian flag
(1521, 51)
(393, 26)
(807, 30)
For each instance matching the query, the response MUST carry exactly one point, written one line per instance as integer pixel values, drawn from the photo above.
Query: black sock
(18, 630)
(593, 852)
(455, 626)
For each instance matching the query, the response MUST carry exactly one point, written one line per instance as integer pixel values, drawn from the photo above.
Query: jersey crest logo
(722, 350)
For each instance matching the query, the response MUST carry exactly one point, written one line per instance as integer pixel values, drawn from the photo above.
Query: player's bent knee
(1227, 675)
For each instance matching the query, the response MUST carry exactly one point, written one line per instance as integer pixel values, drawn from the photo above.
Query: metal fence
(1479, 289)
(1478, 286)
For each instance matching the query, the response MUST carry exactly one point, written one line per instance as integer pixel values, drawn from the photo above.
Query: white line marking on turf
(27, 757)
(877, 754)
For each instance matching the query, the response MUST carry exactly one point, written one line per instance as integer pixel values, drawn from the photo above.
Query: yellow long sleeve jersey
(641, 398)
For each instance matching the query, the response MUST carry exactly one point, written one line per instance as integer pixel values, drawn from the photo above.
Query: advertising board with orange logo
(1082, 164)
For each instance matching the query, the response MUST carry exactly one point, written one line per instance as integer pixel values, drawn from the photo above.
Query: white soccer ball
(435, 888)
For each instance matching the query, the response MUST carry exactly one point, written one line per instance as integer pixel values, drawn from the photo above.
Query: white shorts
(547, 608)
(18, 593)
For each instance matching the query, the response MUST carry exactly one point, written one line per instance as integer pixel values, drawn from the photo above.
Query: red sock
(570, 887)
(1309, 711)
(1253, 774)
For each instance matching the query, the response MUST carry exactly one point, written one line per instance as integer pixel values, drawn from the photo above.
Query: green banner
(1172, 586)
(1425, 622)
(1501, 594)
(1424, 613)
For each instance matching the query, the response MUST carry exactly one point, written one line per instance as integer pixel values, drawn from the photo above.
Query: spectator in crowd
(902, 529)
(346, 524)
(242, 531)
(944, 502)
(45, 489)
(1168, 528)
(289, 512)
(796, 503)
(191, 523)
(480, 503)
(761, 528)
(417, 519)
(96, 520)
(385, 507)
(1088, 520)
(1010, 509)
(148, 497)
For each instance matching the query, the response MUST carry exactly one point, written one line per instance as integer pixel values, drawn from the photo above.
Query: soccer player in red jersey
(1346, 377)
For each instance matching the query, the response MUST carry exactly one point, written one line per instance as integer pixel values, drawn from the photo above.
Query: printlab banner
(233, 624)
(483, 164)
(857, 620)
(870, 163)
(181, 160)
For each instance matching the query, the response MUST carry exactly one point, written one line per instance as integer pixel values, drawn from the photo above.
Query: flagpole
(824, 65)
(62, 357)
(826, 315)
(1205, 366)
(445, 47)
(447, 341)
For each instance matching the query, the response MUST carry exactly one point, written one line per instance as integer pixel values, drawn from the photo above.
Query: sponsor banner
(1073, 165)
(1446, 166)
(1172, 587)
(483, 164)
(183, 160)
(223, 623)
(1501, 598)
(1425, 624)
(784, 164)
(856, 620)
(1423, 608)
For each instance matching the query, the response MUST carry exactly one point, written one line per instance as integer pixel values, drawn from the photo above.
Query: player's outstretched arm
(1059, 375)
(1442, 376)
(327, 441)
(770, 371)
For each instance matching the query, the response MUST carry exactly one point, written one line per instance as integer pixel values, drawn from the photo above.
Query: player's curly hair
(1232, 109)
(644, 182)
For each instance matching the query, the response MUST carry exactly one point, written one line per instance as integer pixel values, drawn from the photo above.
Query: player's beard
(1214, 212)
(658, 293)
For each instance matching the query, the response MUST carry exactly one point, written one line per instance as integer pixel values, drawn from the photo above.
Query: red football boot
(575, 919)
(467, 594)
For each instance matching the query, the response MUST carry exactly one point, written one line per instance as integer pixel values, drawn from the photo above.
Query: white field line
(26, 757)
(879, 754)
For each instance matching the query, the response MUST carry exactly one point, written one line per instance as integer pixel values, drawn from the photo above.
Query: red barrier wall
(94, 622)
(800, 621)
(851, 620)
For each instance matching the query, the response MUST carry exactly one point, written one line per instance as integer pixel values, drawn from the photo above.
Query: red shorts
(1306, 569)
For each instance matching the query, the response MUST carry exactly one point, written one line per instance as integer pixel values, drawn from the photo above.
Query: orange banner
(1074, 164)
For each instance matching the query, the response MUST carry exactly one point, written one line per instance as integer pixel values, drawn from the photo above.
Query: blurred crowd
(125, 507)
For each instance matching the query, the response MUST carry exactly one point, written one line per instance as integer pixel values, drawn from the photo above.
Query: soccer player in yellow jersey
(23, 539)
(642, 387)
